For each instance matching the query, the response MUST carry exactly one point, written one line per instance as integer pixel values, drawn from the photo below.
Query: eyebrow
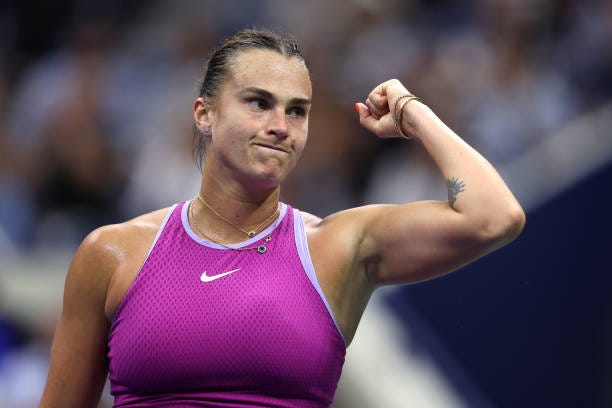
(268, 95)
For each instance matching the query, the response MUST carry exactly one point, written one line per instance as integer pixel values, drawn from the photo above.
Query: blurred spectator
(16, 210)
(581, 40)
(524, 98)
(72, 176)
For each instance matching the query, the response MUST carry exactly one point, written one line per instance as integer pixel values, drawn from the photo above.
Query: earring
(206, 130)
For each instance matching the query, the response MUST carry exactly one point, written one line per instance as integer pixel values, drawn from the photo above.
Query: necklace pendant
(251, 234)
(261, 249)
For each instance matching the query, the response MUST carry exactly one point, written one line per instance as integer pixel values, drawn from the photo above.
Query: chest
(216, 317)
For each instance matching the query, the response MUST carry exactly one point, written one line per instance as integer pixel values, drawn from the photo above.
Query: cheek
(304, 138)
(300, 143)
(223, 143)
(229, 135)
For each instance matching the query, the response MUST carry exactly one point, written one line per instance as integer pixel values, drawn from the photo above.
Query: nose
(277, 124)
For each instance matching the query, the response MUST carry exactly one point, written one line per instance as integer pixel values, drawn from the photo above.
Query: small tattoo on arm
(454, 186)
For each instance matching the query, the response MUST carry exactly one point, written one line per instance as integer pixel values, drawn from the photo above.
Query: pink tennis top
(207, 326)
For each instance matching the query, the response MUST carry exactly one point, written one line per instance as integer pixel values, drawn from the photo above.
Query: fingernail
(357, 107)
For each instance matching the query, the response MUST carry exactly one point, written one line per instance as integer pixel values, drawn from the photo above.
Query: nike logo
(206, 278)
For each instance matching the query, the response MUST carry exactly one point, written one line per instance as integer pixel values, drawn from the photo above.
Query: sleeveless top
(203, 325)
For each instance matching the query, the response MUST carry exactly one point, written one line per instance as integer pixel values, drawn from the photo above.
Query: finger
(376, 111)
(379, 98)
(391, 89)
(362, 110)
(366, 118)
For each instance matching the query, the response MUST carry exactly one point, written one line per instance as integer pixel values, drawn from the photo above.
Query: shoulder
(127, 233)
(107, 248)
(112, 240)
(310, 220)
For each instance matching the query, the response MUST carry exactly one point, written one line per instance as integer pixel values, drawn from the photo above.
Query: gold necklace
(260, 248)
(251, 233)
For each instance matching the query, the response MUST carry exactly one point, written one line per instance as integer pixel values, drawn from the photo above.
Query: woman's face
(259, 121)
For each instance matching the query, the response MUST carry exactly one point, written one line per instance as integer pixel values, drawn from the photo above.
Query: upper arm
(78, 364)
(421, 240)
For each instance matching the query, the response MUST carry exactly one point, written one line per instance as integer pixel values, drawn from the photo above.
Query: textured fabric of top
(260, 336)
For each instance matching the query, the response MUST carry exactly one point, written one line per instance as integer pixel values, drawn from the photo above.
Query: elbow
(516, 222)
(505, 227)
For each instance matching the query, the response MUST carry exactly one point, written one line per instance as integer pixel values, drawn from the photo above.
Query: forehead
(272, 71)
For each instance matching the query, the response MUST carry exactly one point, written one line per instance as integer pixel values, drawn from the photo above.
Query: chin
(265, 180)
(274, 172)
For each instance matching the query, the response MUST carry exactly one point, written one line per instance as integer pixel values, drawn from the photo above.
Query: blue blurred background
(95, 128)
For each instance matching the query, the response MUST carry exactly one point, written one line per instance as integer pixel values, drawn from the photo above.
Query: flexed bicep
(419, 241)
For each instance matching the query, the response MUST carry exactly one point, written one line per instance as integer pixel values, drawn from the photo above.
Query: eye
(297, 111)
(258, 103)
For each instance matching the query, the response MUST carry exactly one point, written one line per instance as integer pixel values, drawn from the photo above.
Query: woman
(234, 299)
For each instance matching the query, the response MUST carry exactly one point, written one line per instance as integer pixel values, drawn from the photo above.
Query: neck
(221, 192)
(226, 214)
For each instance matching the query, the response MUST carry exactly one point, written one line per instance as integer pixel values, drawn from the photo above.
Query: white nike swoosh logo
(206, 278)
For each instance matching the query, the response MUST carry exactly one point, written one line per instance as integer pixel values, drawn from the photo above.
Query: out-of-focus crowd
(96, 100)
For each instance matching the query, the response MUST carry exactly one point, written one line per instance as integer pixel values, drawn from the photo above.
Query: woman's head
(252, 115)
(219, 67)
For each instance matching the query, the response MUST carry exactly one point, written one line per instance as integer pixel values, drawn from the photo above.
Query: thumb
(362, 110)
(365, 117)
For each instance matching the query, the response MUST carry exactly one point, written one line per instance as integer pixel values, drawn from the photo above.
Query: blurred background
(95, 128)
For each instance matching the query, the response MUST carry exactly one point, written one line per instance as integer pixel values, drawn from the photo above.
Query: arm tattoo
(454, 186)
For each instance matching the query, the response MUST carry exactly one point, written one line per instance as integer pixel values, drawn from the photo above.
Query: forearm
(475, 189)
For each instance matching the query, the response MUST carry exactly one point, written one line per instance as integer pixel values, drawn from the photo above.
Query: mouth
(271, 147)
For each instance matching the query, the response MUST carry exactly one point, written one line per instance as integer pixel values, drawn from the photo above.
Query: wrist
(400, 113)
(410, 115)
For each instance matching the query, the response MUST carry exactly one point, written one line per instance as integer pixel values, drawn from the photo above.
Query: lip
(271, 146)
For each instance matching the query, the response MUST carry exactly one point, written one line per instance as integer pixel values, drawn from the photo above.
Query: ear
(202, 115)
